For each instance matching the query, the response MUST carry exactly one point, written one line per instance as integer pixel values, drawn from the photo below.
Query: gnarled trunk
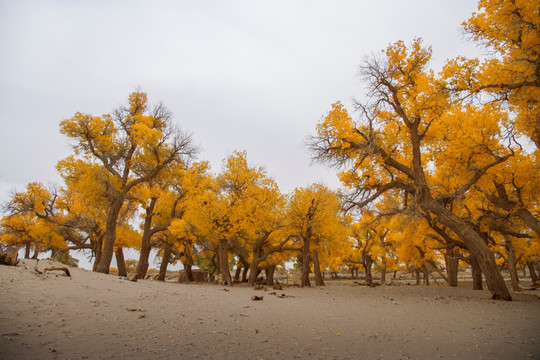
(368, 263)
(165, 262)
(110, 235)
(452, 263)
(253, 268)
(383, 274)
(269, 272)
(512, 261)
(223, 255)
(237, 273)
(426, 275)
(98, 251)
(319, 280)
(36, 252)
(245, 268)
(530, 220)
(306, 259)
(476, 274)
(354, 273)
(532, 272)
(120, 261)
(27, 250)
(475, 244)
(189, 272)
(144, 255)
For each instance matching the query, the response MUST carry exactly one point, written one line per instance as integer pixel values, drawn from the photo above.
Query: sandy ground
(97, 316)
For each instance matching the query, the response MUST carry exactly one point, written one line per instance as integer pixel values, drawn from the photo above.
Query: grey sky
(245, 75)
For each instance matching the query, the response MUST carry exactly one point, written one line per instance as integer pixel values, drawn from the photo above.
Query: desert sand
(97, 316)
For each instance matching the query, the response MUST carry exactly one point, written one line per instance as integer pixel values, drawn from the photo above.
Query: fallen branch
(9, 257)
(60, 268)
(534, 287)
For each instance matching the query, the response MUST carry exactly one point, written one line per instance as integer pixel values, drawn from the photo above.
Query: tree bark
(223, 250)
(27, 250)
(319, 280)
(110, 235)
(146, 247)
(98, 251)
(452, 263)
(245, 272)
(269, 272)
(368, 263)
(165, 262)
(36, 252)
(354, 273)
(530, 220)
(512, 261)
(383, 274)
(189, 272)
(306, 269)
(245, 268)
(476, 274)
(188, 265)
(417, 275)
(532, 272)
(120, 262)
(426, 275)
(253, 268)
(237, 273)
(475, 244)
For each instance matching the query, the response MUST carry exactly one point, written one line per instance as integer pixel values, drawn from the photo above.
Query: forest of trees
(439, 170)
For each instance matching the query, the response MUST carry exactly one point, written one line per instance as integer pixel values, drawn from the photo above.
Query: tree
(511, 30)
(117, 152)
(49, 219)
(165, 200)
(404, 131)
(314, 218)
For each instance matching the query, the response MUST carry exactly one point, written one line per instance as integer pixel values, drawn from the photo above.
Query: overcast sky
(239, 75)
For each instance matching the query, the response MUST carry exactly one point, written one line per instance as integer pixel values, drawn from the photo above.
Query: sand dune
(96, 316)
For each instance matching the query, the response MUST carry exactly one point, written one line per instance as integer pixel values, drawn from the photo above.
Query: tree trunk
(452, 263)
(27, 250)
(319, 281)
(142, 267)
(530, 220)
(120, 262)
(417, 275)
(110, 235)
(426, 275)
(269, 272)
(245, 268)
(475, 244)
(165, 262)
(189, 272)
(306, 269)
(476, 274)
(36, 252)
(383, 274)
(534, 277)
(188, 255)
(223, 250)
(237, 273)
(98, 251)
(512, 261)
(253, 269)
(368, 262)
